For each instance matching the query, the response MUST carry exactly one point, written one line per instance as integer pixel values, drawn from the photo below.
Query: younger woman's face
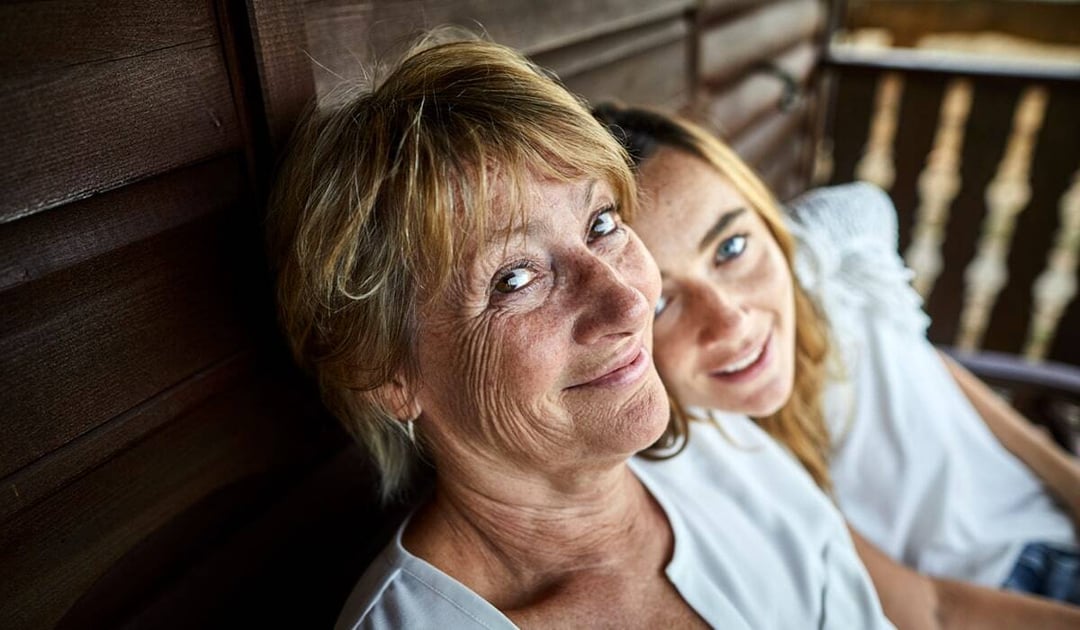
(724, 334)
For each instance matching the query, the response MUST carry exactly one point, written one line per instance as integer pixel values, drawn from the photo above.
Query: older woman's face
(539, 352)
(725, 325)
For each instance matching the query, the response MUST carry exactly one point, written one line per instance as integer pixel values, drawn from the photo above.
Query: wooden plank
(594, 53)
(112, 123)
(37, 37)
(908, 20)
(656, 77)
(94, 340)
(305, 553)
(55, 551)
(731, 47)
(42, 244)
(285, 74)
(765, 138)
(66, 464)
(345, 38)
(953, 63)
(732, 109)
(715, 10)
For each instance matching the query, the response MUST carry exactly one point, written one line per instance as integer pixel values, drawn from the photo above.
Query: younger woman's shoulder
(851, 211)
(846, 257)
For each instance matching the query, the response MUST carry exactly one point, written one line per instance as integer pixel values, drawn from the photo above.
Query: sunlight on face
(725, 323)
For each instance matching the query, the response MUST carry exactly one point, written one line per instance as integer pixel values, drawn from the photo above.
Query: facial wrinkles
(513, 423)
(497, 418)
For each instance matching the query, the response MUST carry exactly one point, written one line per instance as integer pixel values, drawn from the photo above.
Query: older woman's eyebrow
(718, 227)
(529, 229)
(503, 236)
(587, 195)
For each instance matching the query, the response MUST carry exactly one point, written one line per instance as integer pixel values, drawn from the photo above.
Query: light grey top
(757, 545)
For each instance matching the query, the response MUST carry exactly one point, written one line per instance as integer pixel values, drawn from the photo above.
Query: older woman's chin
(648, 416)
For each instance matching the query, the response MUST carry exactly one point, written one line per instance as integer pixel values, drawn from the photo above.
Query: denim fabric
(1047, 570)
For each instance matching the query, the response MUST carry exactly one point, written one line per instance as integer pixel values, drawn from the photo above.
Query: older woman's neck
(533, 531)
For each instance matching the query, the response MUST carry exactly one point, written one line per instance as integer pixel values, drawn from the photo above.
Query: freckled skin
(498, 370)
(535, 508)
(715, 313)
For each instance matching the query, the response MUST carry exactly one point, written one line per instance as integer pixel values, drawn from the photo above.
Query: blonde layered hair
(800, 423)
(377, 198)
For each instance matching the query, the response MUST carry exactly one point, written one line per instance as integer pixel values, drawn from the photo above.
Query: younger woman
(922, 458)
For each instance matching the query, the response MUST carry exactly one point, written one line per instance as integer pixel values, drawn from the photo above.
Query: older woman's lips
(624, 374)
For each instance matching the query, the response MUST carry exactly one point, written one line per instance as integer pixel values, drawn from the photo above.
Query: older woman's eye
(605, 223)
(514, 280)
(730, 248)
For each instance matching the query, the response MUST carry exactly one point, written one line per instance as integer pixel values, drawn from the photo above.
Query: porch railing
(982, 159)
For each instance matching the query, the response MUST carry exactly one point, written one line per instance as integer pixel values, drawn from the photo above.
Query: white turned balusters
(938, 185)
(876, 165)
(1006, 197)
(1056, 285)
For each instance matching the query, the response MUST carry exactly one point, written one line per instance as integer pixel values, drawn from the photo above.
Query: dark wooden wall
(162, 463)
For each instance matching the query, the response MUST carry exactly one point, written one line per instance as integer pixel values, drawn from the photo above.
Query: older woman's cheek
(496, 359)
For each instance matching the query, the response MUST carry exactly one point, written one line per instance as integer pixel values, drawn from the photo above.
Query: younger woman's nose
(718, 313)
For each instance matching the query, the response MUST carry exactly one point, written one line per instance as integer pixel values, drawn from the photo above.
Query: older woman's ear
(396, 398)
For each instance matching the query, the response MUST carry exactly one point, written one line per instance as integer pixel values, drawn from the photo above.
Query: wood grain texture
(732, 109)
(590, 54)
(729, 48)
(345, 39)
(285, 77)
(44, 243)
(70, 133)
(305, 553)
(38, 37)
(94, 340)
(656, 77)
(55, 550)
(60, 467)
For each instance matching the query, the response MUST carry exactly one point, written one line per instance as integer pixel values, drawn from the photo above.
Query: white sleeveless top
(757, 546)
(916, 470)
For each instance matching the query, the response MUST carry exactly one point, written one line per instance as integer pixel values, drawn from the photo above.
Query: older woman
(913, 463)
(454, 270)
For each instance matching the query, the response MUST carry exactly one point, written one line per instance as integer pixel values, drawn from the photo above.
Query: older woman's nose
(610, 303)
(717, 313)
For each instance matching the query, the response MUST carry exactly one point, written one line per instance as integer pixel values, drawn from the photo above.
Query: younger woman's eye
(661, 304)
(605, 223)
(514, 280)
(730, 248)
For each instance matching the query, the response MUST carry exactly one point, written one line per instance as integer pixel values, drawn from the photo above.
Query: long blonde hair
(376, 196)
(800, 423)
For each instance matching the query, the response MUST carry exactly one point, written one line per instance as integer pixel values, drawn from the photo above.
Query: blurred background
(163, 464)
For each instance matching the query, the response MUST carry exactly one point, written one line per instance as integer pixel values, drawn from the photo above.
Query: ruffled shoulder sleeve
(847, 260)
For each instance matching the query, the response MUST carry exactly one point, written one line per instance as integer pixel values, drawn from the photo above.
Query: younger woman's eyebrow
(721, 225)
